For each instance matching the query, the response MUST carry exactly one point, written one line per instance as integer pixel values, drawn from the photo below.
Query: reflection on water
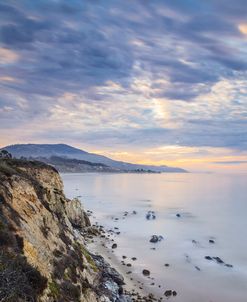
(198, 215)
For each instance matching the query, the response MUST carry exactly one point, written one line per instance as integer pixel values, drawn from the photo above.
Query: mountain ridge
(67, 151)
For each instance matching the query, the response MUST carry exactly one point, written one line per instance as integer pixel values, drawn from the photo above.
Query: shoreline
(135, 285)
(178, 262)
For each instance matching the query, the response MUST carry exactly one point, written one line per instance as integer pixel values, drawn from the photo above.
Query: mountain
(66, 151)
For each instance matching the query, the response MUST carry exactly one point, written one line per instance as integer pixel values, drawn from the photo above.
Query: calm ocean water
(211, 207)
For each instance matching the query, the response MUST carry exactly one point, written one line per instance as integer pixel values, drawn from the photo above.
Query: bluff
(43, 255)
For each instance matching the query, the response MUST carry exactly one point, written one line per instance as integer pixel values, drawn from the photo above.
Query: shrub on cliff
(19, 281)
(5, 154)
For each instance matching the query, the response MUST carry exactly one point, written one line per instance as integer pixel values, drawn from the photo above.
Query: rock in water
(146, 272)
(218, 260)
(156, 238)
(168, 293)
(150, 215)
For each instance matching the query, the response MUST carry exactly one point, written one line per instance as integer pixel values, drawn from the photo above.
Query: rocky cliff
(43, 255)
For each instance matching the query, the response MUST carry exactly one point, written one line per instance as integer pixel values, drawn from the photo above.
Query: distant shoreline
(68, 158)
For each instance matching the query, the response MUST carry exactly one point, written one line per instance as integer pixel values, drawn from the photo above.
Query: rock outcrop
(75, 213)
(43, 255)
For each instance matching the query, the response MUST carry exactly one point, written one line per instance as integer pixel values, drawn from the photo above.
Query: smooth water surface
(211, 207)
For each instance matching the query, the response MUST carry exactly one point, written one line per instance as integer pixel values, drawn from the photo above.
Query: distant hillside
(69, 152)
(72, 165)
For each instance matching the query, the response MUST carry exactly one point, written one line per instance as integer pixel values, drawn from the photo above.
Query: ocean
(196, 215)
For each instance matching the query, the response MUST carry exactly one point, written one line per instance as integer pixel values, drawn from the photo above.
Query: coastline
(44, 257)
(135, 286)
(112, 200)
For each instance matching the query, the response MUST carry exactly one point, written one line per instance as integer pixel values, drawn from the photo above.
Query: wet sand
(134, 282)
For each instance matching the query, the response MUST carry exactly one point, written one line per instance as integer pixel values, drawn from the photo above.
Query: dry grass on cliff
(6, 169)
(12, 166)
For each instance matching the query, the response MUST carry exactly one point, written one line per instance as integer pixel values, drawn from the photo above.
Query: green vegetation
(66, 275)
(88, 257)
(54, 289)
(12, 166)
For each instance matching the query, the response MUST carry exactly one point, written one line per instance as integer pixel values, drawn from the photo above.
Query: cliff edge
(43, 256)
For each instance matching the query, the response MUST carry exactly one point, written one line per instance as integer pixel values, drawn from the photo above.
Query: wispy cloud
(140, 74)
(234, 162)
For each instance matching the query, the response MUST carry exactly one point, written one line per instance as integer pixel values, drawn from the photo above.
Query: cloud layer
(132, 74)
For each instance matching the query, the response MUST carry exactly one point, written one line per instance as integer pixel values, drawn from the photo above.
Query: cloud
(145, 73)
(8, 56)
(7, 79)
(64, 49)
(233, 162)
(243, 28)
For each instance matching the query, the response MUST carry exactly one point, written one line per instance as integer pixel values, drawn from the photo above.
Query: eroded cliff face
(40, 232)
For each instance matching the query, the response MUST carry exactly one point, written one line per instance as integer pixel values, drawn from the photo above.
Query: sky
(161, 82)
